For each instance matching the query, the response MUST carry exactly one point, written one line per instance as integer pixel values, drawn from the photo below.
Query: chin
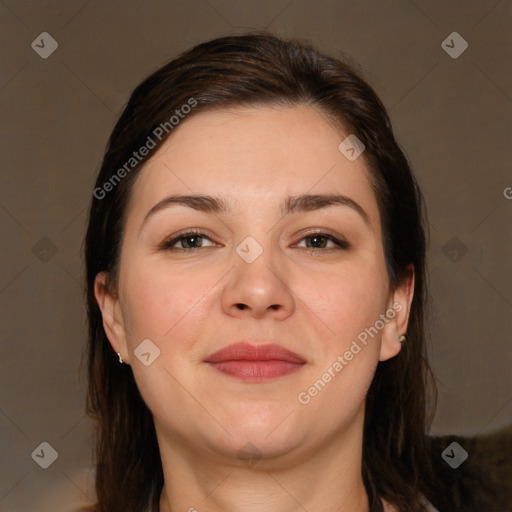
(266, 434)
(247, 448)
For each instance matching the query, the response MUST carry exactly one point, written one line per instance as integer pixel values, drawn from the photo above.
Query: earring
(120, 358)
(401, 338)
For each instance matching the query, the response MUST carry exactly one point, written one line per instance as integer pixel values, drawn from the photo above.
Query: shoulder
(476, 472)
(430, 508)
(388, 507)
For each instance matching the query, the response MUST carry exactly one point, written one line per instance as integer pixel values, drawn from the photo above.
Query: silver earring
(120, 358)
(401, 338)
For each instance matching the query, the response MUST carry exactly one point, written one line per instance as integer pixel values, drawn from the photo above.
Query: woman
(256, 292)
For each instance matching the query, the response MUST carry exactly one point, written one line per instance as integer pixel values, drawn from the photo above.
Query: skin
(314, 301)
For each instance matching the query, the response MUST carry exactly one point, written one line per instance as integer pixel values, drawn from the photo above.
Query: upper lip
(248, 352)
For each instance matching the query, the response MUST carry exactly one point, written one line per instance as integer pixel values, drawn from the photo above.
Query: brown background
(451, 116)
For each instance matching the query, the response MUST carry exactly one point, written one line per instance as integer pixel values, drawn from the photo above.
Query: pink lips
(255, 363)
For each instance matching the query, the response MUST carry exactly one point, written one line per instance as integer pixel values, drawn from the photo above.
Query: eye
(319, 240)
(191, 238)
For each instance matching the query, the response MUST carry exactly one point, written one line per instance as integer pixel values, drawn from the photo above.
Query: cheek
(150, 294)
(343, 365)
(171, 309)
(347, 300)
(164, 305)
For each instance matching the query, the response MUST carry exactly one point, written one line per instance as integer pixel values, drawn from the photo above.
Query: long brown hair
(258, 68)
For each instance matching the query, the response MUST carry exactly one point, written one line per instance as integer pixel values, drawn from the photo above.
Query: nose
(258, 289)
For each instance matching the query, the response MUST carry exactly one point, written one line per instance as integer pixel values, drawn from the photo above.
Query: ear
(399, 302)
(113, 321)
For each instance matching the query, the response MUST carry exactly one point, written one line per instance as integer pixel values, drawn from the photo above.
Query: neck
(326, 478)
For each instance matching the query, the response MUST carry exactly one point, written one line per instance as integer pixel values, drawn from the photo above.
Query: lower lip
(256, 371)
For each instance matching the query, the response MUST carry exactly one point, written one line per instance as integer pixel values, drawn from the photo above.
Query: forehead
(254, 156)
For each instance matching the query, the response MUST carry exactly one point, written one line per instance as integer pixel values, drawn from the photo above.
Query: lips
(255, 362)
(247, 352)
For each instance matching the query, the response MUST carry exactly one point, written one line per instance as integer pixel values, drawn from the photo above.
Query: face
(310, 278)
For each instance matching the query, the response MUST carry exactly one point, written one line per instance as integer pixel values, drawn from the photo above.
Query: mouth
(255, 363)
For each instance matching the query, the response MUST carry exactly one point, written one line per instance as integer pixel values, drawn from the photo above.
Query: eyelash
(167, 244)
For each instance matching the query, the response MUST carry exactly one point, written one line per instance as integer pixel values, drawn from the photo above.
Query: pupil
(317, 238)
(193, 237)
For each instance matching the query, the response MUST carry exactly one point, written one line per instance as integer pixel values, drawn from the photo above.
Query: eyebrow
(291, 204)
